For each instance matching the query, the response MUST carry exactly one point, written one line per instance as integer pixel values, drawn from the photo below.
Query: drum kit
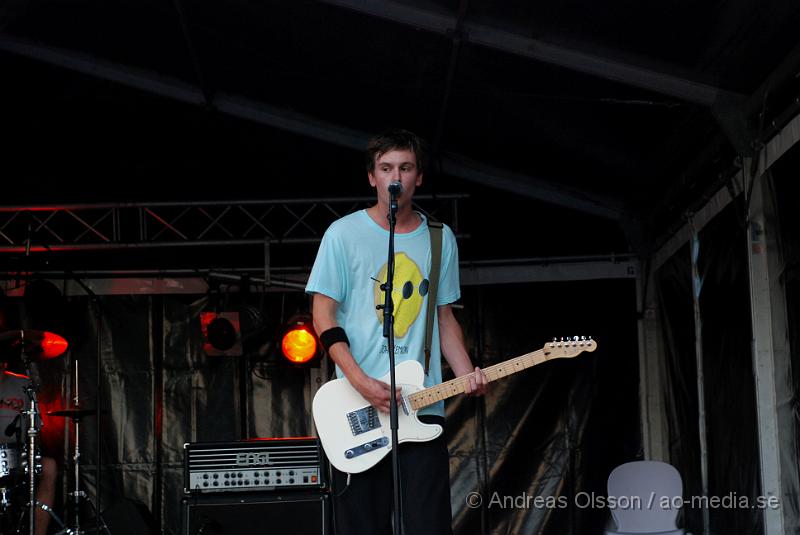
(21, 461)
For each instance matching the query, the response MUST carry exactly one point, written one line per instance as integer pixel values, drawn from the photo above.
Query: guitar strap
(435, 229)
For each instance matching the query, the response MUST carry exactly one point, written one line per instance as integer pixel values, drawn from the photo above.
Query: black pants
(365, 505)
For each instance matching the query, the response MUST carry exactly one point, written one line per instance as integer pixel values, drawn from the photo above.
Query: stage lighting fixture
(299, 343)
(221, 334)
(53, 345)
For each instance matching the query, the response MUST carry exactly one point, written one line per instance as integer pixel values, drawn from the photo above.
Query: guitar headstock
(569, 347)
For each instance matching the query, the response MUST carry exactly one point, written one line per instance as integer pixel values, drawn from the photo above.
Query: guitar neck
(456, 386)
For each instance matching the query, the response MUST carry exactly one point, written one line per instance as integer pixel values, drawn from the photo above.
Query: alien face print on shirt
(409, 289)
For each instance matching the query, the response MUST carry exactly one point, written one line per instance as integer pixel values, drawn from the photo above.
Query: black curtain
(541, 444)
(731, 423)
(539, 438)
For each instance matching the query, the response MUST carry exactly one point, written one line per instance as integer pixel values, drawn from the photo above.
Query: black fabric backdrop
(732, 434)
(552, 431)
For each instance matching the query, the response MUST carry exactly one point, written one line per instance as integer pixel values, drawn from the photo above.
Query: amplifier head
(257, 464)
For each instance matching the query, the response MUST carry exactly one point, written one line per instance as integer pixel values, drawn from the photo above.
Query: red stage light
(53, 345)
(299, 343)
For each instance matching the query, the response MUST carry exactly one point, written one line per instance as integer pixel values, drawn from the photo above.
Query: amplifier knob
(277, 481)
(291, 480)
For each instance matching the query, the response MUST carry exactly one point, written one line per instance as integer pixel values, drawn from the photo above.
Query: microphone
(395, 188)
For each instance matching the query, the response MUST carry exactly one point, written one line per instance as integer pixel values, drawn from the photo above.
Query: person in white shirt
(351, 258)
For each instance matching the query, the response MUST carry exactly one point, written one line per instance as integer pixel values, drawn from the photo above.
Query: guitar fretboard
(456, 386)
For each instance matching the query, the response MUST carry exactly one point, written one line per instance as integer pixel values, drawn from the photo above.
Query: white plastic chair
(645, 497)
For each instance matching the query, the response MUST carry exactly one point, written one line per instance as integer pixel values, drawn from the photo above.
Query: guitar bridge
(363, 420)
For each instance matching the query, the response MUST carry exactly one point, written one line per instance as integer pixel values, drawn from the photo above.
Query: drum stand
(31, 455)
(5, 508)
(33, 459)
(75, 414)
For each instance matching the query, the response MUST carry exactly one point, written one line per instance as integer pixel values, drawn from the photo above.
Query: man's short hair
(395, 139)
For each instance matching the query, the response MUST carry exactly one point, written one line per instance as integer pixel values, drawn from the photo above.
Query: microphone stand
(388, 333)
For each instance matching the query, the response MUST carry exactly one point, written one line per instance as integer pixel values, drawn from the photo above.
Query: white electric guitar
(355, 435)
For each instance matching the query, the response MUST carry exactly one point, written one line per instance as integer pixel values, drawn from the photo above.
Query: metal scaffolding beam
(87, 227)
(771, 357)
(186, 281)
(445, 23)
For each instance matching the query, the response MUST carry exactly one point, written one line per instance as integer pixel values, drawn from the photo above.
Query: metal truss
(89, 227)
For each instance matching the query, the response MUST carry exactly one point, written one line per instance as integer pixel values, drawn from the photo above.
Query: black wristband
(333, 336)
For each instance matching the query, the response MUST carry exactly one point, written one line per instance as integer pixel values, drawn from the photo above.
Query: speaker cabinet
(256, 514)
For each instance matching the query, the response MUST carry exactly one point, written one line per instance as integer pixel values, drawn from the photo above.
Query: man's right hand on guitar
(376, 392)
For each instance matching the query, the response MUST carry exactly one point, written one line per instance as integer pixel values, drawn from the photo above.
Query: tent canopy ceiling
(603, 122)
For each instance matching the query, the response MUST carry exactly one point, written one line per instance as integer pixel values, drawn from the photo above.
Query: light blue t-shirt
(352, 254)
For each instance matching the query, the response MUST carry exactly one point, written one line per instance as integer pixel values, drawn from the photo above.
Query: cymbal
(72, 413)
(40, 345)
